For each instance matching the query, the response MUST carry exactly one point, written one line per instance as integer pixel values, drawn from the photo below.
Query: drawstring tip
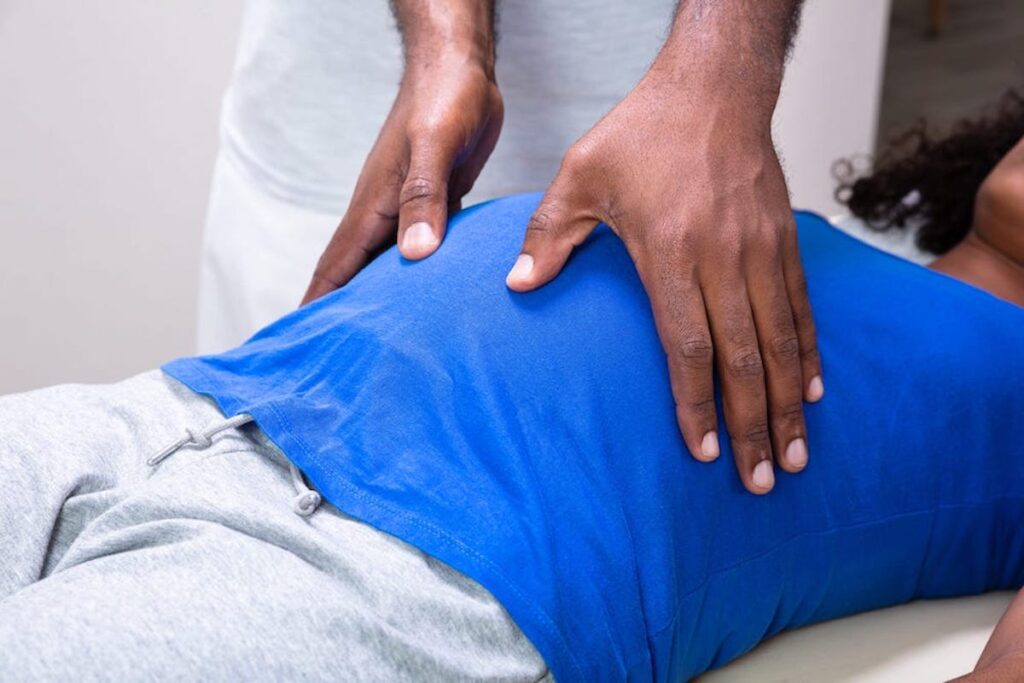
(158, 457)
(306, 503)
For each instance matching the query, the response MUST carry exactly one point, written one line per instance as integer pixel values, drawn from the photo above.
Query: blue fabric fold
(530, 442)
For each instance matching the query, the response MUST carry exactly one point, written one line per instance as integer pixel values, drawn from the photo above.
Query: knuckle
(756, 434)
(674, 242)
(696, 352)
(580, 157)
(745, 365)
(702, 408)
(785, 348)
(541, 223)
(789, 413)
(761, 240)
(810, 354)
(417, 189)
(802, 315)
(680, 258)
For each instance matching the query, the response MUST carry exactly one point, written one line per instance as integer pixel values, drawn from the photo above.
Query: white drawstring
(202, 439)
(305, 503)
(308, 500)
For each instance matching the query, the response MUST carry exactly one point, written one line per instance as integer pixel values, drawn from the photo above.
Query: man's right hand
(442, 128)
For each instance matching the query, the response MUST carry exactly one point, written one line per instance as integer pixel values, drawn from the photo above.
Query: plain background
(108, 132)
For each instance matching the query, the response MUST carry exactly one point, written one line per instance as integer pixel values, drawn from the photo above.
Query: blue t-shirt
(530, 441)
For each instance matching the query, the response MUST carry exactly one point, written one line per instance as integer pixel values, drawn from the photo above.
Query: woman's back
(530, 441)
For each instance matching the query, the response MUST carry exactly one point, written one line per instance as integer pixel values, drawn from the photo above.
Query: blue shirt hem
(403, 524)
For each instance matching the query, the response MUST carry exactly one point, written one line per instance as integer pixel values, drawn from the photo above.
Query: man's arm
(685, 171)
(736, 47)
(432, 29)
(441, 129)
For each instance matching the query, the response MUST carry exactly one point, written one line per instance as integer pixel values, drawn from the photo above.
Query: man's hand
(443, 126)
(684, 171)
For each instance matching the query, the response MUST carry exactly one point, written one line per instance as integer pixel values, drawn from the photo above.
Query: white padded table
(928, 640)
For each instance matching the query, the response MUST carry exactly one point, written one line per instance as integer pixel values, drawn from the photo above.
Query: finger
(803, 319)
(460, 184)
(423, 199)
(468, 170)
(559, 225)
(678, 307)
(370, 221)
(358, 239)
(741, 371)
(458, 187)
(780, 350)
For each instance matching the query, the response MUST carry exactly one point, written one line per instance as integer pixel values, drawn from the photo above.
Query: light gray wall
(830, 97)
(108, 130)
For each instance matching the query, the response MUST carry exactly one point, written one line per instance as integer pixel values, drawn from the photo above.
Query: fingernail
(521, 269)
(796, 454)
(419, 240)
(709, 446)
(764, 477)
(815, 389)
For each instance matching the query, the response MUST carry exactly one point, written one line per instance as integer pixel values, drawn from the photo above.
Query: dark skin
(683, 169)
(991, 257)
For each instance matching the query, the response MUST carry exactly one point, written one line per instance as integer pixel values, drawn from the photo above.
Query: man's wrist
(728, 55)
(715, 88)
(446, 34)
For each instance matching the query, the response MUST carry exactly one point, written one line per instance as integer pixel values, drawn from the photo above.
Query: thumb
(557, 227)
(423, 202)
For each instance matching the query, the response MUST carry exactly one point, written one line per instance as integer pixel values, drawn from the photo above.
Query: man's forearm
(436, 31)
(735, 48)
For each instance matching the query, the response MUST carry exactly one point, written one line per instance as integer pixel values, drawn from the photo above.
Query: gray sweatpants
(198, 567)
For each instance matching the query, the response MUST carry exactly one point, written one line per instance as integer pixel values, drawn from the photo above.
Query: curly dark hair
(927, 181)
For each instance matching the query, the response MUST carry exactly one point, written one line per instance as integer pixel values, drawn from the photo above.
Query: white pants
(258, 255)
(196, 567)
(314, 80)
(313, 83)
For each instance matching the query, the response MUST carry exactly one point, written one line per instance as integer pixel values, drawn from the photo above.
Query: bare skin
(991, 257)
(441, 130)
(1002, 661)
(683, 169)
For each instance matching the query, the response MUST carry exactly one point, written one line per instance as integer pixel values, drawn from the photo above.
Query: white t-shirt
(315, 79)
(313, 83)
